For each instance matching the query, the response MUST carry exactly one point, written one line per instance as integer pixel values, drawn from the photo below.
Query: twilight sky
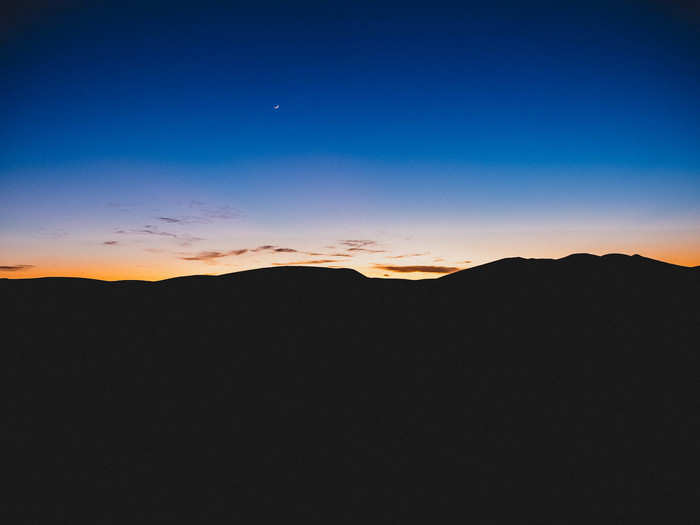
(410, 140)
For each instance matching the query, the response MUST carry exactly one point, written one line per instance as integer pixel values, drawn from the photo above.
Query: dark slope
(576, 266)
(515, 391)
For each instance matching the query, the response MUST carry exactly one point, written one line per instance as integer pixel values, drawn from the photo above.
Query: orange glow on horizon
(119, 272)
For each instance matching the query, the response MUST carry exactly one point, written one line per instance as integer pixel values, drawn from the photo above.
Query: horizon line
(283, 266)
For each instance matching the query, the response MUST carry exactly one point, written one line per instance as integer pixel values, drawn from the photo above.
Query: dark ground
(522, 391)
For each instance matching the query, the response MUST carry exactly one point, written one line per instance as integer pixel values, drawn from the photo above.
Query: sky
(143, 141)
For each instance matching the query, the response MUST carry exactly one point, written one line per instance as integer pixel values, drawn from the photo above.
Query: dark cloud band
(16, 267)
(423, 269)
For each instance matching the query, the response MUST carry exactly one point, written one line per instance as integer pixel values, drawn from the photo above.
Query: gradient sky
(411, 140)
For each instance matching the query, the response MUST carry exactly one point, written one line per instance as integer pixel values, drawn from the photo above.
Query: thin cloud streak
(358, 243)
(422, 269)
(205, 256)
(210, 255)
(405, 255)
(16, 267)
(296, 263)
(366, 250)
(147, 231)
(273, 248)
(187, 219)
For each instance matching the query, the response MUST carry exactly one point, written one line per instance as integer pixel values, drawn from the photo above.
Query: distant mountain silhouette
(523, 390)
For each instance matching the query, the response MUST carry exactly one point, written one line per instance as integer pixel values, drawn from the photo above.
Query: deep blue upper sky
(610, 83)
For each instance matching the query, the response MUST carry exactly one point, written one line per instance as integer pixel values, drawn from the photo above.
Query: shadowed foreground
(555, 390)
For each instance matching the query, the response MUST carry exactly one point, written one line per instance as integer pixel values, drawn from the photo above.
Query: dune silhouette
(544, 383)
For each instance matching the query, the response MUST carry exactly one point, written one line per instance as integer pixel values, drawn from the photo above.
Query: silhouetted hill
(558, 390)
(575, 266)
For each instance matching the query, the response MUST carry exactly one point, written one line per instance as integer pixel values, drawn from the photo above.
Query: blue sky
(427, 124)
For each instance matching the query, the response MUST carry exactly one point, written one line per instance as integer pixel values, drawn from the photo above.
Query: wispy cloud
(296, 263)
(110, 243)
(184, 239)
(201, 213)
(210, 255)
(16, 267)
(357, 243)
(360, 245)
(367, 250)
(147, 230)
(184, 219)
(215, 254)
(411, 269)
(205, 256)
(155, 232)
(405, 255)
(187, 240)
(273, 248)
